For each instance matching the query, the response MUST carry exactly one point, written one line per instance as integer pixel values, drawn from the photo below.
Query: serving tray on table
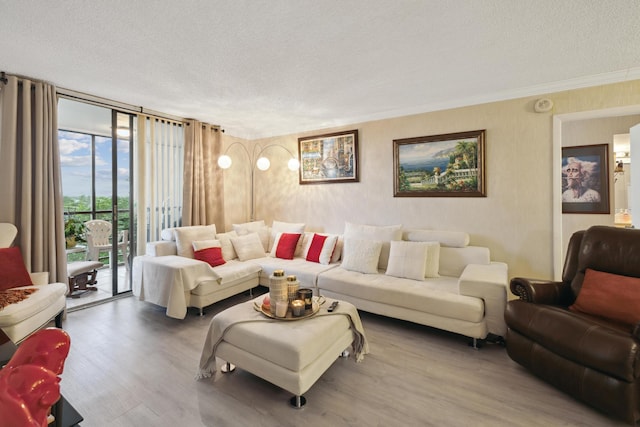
(289, 316)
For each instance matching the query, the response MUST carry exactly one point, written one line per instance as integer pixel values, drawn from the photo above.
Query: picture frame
(585, 179)
(329, 158)
(447, 165)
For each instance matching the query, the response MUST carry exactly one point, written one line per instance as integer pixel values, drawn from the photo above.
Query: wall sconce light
(257, 161)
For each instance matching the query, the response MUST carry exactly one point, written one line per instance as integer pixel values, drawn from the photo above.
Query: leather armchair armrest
(539, 291)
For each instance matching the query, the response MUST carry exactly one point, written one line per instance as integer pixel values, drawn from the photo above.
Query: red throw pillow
(212, 256)
(12, 270)
(610, 296)
(315, 249)
(287, 245)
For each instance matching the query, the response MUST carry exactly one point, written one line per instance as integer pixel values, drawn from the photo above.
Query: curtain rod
(103, 102)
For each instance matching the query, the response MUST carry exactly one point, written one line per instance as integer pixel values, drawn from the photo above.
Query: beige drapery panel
(30, 176)
(159, 154)
(203, 191)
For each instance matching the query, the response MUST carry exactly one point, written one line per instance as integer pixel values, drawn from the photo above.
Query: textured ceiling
(273, 67)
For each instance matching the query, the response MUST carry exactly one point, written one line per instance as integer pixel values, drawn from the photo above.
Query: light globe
(224, 161)
(293, 164)
(263, 163)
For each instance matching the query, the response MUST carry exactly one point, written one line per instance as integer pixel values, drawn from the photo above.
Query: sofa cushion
(285, 245)
(209, 251)
(306, 272)
(228, 253)
(439, 297)
(12, 270)
(248, 246)
(285, 227)
(361, 255)
(185, 236)
(407, 259)
(610, 296)
(320, 248)
(254, 227)
(384, 234)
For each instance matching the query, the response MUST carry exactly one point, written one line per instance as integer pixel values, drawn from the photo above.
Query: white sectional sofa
(434, 278)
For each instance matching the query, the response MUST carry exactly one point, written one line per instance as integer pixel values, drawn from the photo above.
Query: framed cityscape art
(329, 158)
(449, 165)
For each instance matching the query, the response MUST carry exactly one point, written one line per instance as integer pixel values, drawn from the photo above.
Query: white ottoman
(290, 354)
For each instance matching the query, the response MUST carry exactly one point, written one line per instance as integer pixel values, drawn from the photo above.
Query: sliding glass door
(96, 162)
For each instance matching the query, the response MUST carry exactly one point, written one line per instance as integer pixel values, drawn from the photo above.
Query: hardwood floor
(131, 365)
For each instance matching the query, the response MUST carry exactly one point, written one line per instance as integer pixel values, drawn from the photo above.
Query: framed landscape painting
(449, 165)
(585, 184)
(329, 158)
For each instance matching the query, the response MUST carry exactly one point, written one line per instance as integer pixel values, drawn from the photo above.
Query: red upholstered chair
(582, 334)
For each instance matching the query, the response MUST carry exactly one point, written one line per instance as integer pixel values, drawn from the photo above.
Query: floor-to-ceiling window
(96, 163)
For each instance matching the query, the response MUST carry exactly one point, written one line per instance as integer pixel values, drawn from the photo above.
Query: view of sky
(75, 160)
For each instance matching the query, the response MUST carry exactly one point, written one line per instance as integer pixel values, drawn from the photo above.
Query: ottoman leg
(345, 353)
(298, 401)
(227, 368)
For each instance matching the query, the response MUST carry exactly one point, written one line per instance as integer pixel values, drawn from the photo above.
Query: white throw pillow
(228, 253)
(384, 234)
(254, 227)
(361, 255)
(168, 234)
(285, 227)
(432, 263)
(337, 251)
(185, 236)
(248, 247)
(323, 253)
(407, 260)
(199, 245)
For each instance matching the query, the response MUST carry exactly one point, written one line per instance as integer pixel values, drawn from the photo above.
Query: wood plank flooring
(131, 365)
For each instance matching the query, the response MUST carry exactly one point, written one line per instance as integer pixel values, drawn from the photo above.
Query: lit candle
(297, 307)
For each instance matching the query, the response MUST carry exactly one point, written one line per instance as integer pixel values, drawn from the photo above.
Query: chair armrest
(40, 278)
(161, 248)
(539, 291)
(488, 282)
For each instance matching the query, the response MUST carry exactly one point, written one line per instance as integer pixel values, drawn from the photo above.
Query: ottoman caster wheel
(344, 353)
(227, 368)
(298, 401)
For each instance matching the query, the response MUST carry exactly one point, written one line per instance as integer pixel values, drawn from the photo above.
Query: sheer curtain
(30, 177)
(159, 154)
(203, 200)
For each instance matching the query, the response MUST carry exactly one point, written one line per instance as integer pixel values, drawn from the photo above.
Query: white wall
(515, 220)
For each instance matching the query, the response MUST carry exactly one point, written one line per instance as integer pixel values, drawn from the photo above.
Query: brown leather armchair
(593, 359)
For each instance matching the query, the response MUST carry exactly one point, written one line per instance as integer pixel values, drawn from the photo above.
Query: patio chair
(98, 234)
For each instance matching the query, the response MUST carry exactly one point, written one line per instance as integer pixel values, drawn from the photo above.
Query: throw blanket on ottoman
(246, 313)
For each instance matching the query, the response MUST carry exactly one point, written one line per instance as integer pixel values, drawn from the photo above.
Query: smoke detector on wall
(543, 105)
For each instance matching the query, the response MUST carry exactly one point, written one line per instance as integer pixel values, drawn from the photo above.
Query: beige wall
(515, 220)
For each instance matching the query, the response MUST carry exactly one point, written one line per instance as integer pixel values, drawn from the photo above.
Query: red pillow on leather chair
(12, 270)
(611, 296)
